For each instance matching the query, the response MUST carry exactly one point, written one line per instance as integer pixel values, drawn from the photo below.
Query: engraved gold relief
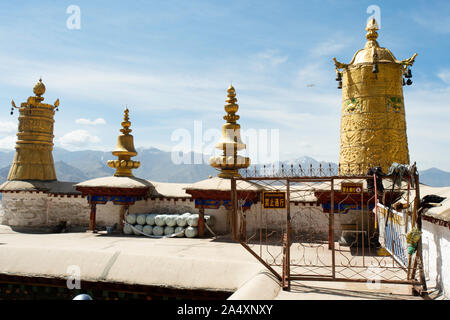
(230, 162)
(124, 151)
(33, 159)
(373, 125)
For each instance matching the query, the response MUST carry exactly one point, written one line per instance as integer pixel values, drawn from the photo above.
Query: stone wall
(25, 209)
(436, 256)
(46, 210)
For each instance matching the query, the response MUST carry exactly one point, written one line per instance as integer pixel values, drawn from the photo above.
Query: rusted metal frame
(284, 272)
(288, 235)
(419, 244)
(234, 209)
(260, 228)
(92, 215)
(310, 178)
(276, 274)
(362, 226)
(316, 278)
(123, 212)
(331, 222)
(201, 221)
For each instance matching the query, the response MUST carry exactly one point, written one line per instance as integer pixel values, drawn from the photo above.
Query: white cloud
(444, 75)
(8, 126)
(267, 59)
(329, 47)
(436, 19)
(90, 122)
(8, 142)
(78, 139)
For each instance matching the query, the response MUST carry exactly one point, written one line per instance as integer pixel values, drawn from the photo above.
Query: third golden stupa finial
(230, 143)
(124, 150)
(372, 27)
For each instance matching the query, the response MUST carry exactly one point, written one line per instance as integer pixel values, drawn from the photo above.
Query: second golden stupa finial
(230, 162)
(231, 107)
(126, 123)
(124, 151)
(39, 88)
(372, 27)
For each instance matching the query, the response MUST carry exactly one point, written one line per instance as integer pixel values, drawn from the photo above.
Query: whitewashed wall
(436, 256)
(24, 209)
(41, 209)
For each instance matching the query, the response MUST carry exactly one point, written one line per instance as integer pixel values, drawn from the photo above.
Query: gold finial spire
(126, 123)
(124, 150)
(372, 27)
(39, 88)
(231, 107)
(33, 159)
(230, 162)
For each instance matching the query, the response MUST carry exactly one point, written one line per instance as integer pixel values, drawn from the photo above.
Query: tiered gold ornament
(124, 150)
(230, 162)
(373, 125)
(33, 159)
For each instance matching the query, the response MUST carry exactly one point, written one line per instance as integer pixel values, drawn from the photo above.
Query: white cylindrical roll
(191, 232)
(171, 220)
(139, 227)
(150, 219)
(180, 232)
(160, 220)
(127, 229)
(168, 230)
(158, 230)
(131, 218)
(140, 219)
(148, 229)
(182, 220)
(193, 220)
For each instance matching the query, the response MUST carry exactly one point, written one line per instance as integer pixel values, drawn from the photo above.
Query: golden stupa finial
(124, 150)
(126, 123)
(230, 162)
(39, 88)
(372, 27)
(231, 107)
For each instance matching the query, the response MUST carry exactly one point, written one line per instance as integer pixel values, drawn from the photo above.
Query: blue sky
(171, 62)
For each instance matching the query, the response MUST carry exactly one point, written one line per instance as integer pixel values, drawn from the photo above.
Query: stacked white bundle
(158, 230)
(160, 220)
(171, 220)
(193, 220)
(127, 229)
(182, 219)
(138, 227)
(140, 219)
(168, 230)
(131, 218)
(150, 219)
(191, 232)
(184, 225)
(180, 232)
(148, 229)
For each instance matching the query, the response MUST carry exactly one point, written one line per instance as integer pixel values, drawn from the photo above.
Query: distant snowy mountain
(157, 165)
(435, 177)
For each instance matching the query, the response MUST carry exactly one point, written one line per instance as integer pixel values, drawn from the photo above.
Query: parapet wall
(40, 209)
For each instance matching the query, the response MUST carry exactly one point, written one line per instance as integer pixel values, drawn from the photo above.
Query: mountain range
(157, 165)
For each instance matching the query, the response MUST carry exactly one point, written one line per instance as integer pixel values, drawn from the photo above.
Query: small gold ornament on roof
(230, 162)
(124, 151)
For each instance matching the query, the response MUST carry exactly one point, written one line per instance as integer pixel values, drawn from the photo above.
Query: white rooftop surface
(204, 264)
(222, 184)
